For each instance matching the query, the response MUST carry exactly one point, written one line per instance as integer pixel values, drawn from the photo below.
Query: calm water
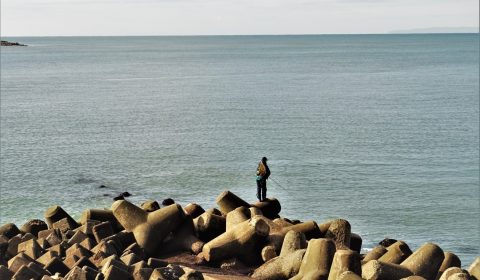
(381, 130)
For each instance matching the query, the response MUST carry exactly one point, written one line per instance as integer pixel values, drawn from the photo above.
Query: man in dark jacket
(263, 172)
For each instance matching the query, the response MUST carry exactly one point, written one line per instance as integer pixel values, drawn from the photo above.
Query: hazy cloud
(168, 17)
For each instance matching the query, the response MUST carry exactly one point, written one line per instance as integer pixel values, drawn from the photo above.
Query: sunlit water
(380, 130)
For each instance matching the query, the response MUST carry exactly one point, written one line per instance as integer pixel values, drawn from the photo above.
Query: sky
(230, 17)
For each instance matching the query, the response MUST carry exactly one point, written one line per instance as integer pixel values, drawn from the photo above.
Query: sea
(380, 130)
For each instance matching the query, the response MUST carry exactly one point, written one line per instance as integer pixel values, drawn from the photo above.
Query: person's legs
(259, 190)
(264, 190)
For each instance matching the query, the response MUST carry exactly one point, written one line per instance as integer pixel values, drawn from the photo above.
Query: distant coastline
(436, 30)
(12, 44)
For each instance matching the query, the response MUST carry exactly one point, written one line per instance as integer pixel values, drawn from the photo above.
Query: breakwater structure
(237, 240)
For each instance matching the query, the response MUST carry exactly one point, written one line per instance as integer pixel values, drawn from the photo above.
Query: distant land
(9, 44)
(438, 30)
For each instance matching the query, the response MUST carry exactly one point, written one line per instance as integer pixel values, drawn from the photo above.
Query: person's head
(264, 160)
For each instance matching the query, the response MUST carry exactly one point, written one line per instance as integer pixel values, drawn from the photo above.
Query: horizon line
(227, 35)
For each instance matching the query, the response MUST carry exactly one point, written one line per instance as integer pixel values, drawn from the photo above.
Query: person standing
(263, 172)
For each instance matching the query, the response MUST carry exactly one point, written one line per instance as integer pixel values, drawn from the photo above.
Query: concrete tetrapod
(228, 201)
(450, 260)
(317, 260)
(474, 268)
(55, 213)
(309, 228)
(254, 211)
(149, 228)
(268, 253)
(449, 272)
(292, 242)
(9, 230)
(34, 227)
(344, 260)
(280, 268)
(425, 261)
(377, 270)
(209, 226)
(185, 239)
(348, 275)
(396, 253)
(355, 242)
(193, 210)
(235, 217)
(244, 241)
(374, 254)
(340, 232)
(270, 207)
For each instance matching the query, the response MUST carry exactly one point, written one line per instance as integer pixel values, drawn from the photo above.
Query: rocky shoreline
(11, 44)
(237, 240)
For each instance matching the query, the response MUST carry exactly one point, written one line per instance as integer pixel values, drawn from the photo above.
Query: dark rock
(167, 202)
(9, 230)
(33, 227)
(150, 205)
(12, 44)
(387, 242)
